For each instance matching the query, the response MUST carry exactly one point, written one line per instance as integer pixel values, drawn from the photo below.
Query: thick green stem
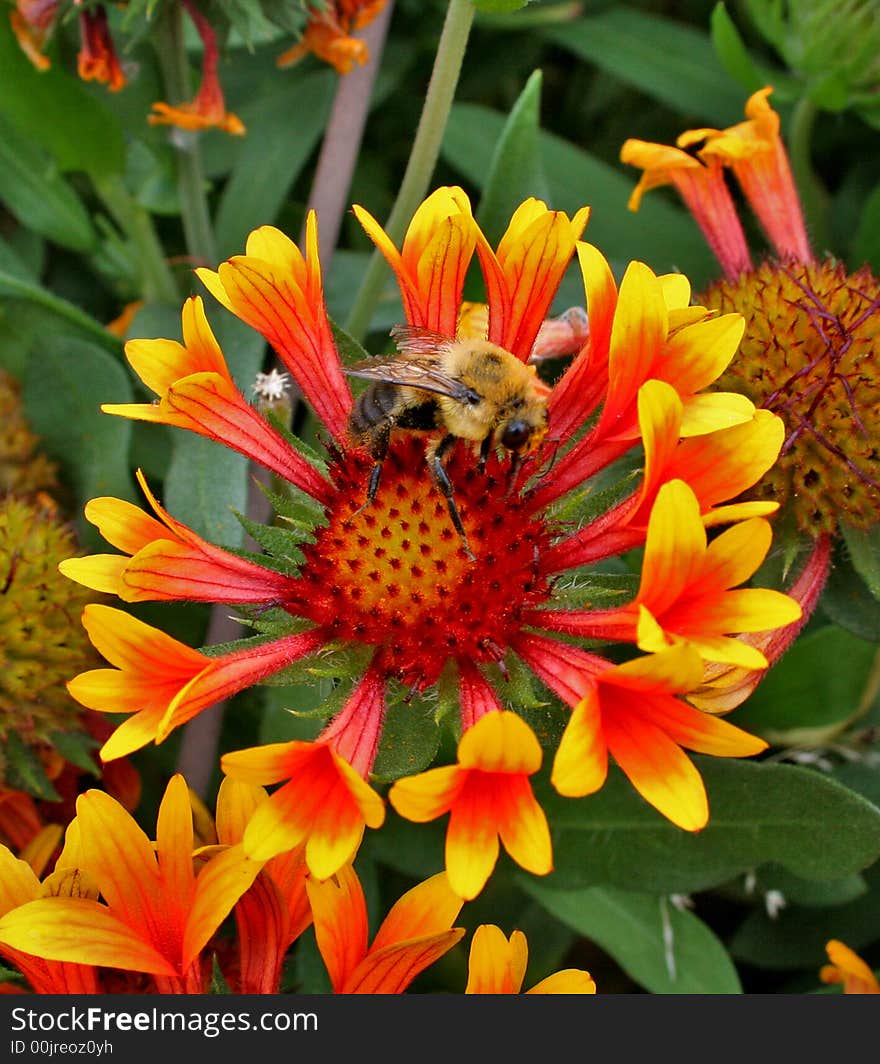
(814, 196)
(423, 157)
(157, 279)
(197, 228)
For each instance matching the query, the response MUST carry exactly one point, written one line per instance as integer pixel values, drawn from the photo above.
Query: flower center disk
(395, 574)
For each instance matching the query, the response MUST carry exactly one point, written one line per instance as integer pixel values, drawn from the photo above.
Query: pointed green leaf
(732, 52)
(516, 171)
(665, 949)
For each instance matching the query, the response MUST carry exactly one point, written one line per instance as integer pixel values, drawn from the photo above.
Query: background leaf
(665, 949)
(758, 813)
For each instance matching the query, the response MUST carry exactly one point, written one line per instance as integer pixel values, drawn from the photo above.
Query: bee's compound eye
(516, 435)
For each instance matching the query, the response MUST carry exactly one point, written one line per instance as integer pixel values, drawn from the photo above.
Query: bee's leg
(485, 450)
(435, 456)
(515, 464)
(378, 449)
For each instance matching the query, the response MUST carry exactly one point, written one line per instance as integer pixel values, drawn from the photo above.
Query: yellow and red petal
(427, 795)
(568, 981)
(325, 803)
(174, 839)
(847, 967)
(429, 908)
(523, 827)
(237, 801)
(523, 275)
(100, 572)
(339, 911)
(496, 965)
(392, 969)
(695, 356)
(472, 845)
(658, 769)
(700, 732)
(580, 765)
(282, 298)
(18, 881)
(124, 525)
(220, 884)
(476, 695)
(81, 931)
(637, 338)
(117, 854)
(209, 405)
(224, 676)
(674, 547)
(137, 647)
(703, 414)
(500, 742)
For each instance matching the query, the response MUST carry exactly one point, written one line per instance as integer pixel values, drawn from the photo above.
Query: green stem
(157, 279)
(197, 228)
(814, 196)
(423, 157)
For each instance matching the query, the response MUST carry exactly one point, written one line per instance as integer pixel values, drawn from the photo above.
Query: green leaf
(732, 52)
(796, 938)
(515, 172)
(54, 109)
(37, 195)
(410, 738)
(271, 158)
(78, 748)
(866, 241)
(576, 178)
(664, 949)
(802, 700)
(864, 552)
(667, 60)
(206, 482)
(63, 389)
(810, 893)
(758, 813)
(24, 771)
(57, 313)
(218, 980)
(847, 601)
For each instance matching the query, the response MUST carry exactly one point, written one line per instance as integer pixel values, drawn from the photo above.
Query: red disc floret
(395, 575)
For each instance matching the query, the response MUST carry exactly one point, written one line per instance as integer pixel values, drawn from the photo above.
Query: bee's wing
(414, 372)
(413, 340)
(416, 365)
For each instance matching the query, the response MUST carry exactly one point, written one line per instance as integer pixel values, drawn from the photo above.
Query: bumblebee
(470, 389)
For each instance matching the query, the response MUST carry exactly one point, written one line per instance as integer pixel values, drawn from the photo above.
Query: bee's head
(523, 433)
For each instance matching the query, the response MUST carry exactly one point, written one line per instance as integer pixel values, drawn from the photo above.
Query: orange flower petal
(496, 965)
(82, 931)
(659, 770)
(580, 766)
(426, 909)
(340, 919)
